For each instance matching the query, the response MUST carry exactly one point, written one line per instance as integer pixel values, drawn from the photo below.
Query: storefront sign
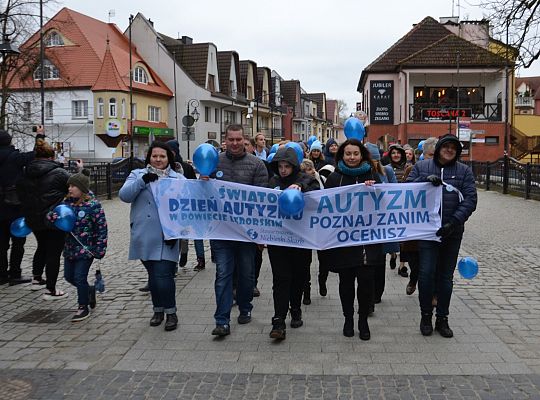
(381, 105)
(445, 113)
(113, 128)
(146, 131)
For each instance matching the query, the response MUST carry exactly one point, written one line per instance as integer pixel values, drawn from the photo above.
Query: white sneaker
(56, 296)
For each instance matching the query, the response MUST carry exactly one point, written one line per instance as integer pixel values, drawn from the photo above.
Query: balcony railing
(476, 111)
(526, 101)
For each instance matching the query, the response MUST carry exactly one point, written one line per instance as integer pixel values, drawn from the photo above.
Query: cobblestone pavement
(495, 352)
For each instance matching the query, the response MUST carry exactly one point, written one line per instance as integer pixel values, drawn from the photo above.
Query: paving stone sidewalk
(495, 352)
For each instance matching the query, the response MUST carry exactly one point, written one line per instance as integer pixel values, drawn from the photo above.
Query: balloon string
(82, 245)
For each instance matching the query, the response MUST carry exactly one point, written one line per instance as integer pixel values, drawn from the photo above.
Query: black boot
(322, 287)
(348, 326)
(172, 322)
(183, 260)
(92, 296)
(426, 326)
(441, 325)
(296, 318)
(278, 331)
(307, 297)
(363, 328)
(157, 319)
(201, 264)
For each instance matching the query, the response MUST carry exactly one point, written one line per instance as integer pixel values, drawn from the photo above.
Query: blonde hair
(43, 149)
(306, 163)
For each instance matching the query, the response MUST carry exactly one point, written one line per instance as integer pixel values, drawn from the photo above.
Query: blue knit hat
(316, 145)
(374, 151)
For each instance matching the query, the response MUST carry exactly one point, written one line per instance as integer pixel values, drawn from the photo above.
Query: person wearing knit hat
(316, 155)
(80, 180)
(316, 145)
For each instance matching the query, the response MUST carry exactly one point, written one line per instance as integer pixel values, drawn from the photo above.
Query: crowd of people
(360, 268)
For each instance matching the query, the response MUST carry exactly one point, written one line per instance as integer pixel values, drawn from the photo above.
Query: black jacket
(306, 182)
(351, 256)
(12, 162)
(43, 186)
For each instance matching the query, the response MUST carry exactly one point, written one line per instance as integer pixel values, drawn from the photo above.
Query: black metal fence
(507, 175)
(106, 179)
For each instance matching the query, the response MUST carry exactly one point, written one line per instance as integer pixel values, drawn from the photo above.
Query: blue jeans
(437, 264)
(76, 273)
(230, 254)
(199, 248)
(161, 284)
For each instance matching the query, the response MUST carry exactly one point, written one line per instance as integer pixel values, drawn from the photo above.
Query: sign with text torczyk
(381, 104)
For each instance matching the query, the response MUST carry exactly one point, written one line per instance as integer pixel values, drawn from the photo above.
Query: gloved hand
(149, 177)
(435, 180)
(171, 242)
(445, 230)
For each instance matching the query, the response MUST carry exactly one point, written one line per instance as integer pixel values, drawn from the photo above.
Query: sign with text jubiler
(381, 102)
(343, 216)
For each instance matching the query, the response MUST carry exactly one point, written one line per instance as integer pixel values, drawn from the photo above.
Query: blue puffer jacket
(458, 175)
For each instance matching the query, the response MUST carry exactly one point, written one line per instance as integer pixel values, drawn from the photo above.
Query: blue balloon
(421, 145)
(354, 128)
(66, 218)
(274, 148)
(310, 140)
(299, 150)
(468, 267)
(19, 228)
(206, 159)
(270, 157)
(291, 202)
(421, 157)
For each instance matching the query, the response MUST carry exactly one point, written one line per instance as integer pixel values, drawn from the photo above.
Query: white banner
(344, 216)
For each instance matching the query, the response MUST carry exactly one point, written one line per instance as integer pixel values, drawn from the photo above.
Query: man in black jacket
(12, 163)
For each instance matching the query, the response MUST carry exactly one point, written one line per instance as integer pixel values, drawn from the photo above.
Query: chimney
(187, 40)
(151, 22)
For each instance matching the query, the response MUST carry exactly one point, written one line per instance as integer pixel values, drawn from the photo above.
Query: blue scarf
(361, 169)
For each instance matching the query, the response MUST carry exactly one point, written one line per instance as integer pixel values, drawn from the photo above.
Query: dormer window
(54, 39)
(140, 75)
(49, 71)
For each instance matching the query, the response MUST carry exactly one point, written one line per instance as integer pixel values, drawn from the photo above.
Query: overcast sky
(323, 44)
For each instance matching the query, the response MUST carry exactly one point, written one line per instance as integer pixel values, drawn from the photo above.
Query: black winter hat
(81, 180)
(5, 138)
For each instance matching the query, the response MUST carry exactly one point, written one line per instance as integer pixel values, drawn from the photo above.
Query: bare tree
(517, 23)
(342, 109)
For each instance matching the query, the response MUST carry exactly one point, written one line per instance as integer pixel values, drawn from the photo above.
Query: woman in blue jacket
(159, 256)
(458, 203)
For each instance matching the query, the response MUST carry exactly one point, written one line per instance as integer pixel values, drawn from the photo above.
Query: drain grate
(43, 316)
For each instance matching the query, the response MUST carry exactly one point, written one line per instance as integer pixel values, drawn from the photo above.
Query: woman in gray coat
(159, 256)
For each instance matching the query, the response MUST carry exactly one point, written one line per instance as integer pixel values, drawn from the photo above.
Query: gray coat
(246, 169)
(146, 234)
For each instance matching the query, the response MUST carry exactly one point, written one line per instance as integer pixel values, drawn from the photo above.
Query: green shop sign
(146, 131)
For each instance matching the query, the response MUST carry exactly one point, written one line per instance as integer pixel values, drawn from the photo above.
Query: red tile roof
(80, 62)
(109, 78)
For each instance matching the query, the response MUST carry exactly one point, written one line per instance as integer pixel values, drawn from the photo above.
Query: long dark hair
(164, 146)
(366, 155)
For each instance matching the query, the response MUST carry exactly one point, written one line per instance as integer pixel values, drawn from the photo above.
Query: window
(100, 108)
(79, 109)
(154, 114)
(123, 108)
(133, 110)
(112, 107)
(492, 140)
(27, 110)
(54, 39)
(216, 114)
(211, 83)
(48, 110)
(249, 93)
(140, 75)
(49, 71)
(207, 114)
(230, 117)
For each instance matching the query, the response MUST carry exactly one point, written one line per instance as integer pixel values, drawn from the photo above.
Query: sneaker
(81, 314)
(244, 318)
(38, 283)
(411, 288)
(58, 294)
(200, 264)
(221, 330)
(403, 272)
(256, 292)
(393, 262)
(426, 326)
(278, 331)
(441, 326)
(92, 296)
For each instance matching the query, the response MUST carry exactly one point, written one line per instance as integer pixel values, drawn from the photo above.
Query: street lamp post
(190, 119)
